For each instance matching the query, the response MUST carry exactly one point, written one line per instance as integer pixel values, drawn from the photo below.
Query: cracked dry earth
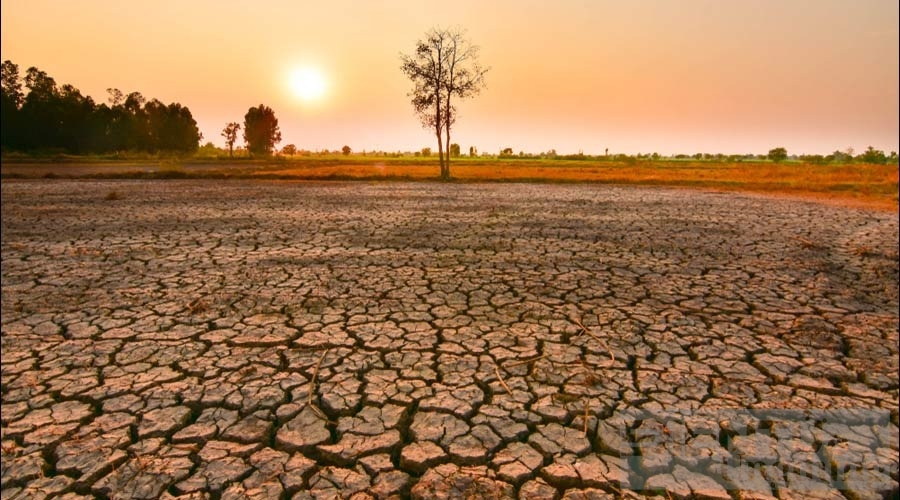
(215, 339)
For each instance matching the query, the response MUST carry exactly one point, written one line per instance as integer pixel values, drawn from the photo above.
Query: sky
(641, 76)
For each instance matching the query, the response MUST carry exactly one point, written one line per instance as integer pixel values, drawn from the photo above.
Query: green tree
(184, 129)
(52, 117)
(135, 134)
(208, 150)
(261, 131)
(39, 113)
(11, 83)
(454, 150)
(777, 154)
(11, 99)
(40, 83)
(346, 150)
(115, 118)
(838, 157)
(172, 128)
(74, 118)
(426, 152)
(230, 134)
(443, 67)
(872, 155)
(290, 149)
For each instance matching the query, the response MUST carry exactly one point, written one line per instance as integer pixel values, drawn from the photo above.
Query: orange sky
(672, 76)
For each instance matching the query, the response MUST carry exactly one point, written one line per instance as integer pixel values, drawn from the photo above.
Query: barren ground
(232, 339)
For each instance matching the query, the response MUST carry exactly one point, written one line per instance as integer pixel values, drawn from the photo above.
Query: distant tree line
(870, 155)
(779, 154)
(39, 116)
(53, 118)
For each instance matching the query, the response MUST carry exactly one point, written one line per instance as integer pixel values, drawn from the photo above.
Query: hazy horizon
(638, 77)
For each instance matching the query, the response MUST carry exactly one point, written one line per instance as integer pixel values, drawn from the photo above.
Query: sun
(308, 84)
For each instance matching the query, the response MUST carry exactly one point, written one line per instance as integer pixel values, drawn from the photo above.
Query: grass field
(859, 185)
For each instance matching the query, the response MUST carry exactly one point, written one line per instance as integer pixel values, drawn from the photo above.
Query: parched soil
(235, 339)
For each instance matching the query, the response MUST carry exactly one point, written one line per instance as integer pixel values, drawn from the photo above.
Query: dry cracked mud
(216, 339)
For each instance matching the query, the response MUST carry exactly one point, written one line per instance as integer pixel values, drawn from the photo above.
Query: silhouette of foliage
(60, 118)
(11, 99)
(230, 134)
(872, 155)
(261, 131)
(778, 154)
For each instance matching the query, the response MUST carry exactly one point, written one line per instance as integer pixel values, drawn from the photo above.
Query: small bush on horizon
(778, 154)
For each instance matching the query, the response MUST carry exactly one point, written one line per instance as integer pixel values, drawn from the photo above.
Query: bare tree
(230, 134)
(443, 67)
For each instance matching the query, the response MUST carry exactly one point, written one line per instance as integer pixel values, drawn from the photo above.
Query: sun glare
(308, 84)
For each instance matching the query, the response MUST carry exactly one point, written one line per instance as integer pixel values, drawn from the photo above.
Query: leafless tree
(444, 67)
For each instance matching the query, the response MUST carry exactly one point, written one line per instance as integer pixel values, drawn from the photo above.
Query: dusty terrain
(216, 339)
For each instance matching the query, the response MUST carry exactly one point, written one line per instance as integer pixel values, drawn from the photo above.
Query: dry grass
(859, 185)
(869, 186)
(313, 388)
(500, 379)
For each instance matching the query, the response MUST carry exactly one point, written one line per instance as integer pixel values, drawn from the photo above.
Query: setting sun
(308, 84)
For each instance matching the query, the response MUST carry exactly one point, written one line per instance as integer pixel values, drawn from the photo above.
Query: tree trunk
(444, 169)
(447, 136)
(447, 111)
(437, 133)
(447, 149)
